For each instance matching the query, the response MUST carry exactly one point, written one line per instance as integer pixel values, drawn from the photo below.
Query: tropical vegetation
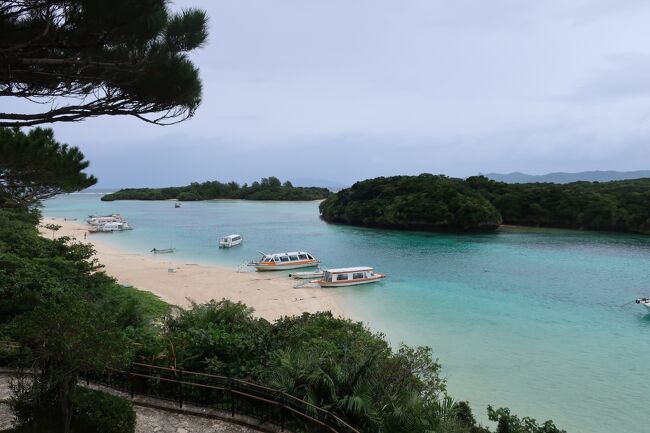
(622, 205)
(84, 58)
(268, 188)
(424, 202)
(428, 202)
(62, 317)
(34, 167)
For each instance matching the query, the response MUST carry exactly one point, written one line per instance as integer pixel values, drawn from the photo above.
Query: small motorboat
(348, 277)
(163, 251)
(231, 241)
(644, 301)
(307, 275)
(177, 205)
(285, 261)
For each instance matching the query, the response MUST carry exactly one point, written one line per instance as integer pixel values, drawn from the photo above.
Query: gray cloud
(626, 76)
(344, 90)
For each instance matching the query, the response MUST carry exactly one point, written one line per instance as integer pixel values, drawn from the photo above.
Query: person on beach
(85, 233)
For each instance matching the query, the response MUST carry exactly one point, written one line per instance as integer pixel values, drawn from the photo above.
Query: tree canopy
(34, 166)
(424, 202)
(85, 58)
(268, 188)
(428, 202)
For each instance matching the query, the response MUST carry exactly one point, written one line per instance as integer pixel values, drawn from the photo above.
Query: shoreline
(175, 282)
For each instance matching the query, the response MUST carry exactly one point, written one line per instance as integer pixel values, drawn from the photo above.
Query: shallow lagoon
(532, 319)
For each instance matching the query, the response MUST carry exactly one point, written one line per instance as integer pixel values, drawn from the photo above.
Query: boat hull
(229, 245)
(348, 282)
(285, 266)
(306, 275)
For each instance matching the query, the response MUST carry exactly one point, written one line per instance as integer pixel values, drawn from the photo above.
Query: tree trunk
(65, 400)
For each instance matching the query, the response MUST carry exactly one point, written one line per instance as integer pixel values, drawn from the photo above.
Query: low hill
(428, 202)
(560, 177)
(267, 189)
(424, 202)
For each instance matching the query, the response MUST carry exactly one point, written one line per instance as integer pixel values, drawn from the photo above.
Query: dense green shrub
(92, 411)
(62, 316)
(99, 412)
(219, 337)
(333, 363)
(188, 196)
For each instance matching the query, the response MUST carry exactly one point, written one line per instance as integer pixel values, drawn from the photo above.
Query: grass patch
(149, 304)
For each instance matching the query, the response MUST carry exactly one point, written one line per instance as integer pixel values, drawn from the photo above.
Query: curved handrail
(236, 396)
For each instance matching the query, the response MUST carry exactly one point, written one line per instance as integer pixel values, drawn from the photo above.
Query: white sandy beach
(271, 295)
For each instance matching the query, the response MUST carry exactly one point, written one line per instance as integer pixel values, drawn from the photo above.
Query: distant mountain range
(590, 176)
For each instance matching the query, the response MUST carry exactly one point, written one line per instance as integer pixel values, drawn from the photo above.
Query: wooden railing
(230, 396)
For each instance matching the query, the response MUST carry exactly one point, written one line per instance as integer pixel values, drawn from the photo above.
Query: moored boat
(342, 277)
(230, 241)
(108, 227)
(285, 261)
(96, 220)
(177, 205)
(644, 301)
(163, 251)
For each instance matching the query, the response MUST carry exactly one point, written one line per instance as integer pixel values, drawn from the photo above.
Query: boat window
(341, 277)
(303, 256)
(357, 275)
(284, 259)
(371, 273)
(310, 257)
(236, 238)
(277, 259)
(293, 258)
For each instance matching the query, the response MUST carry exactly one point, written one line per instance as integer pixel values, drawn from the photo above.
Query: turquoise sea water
(532, 319)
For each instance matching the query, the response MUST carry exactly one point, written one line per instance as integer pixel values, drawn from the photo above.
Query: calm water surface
(531, 319)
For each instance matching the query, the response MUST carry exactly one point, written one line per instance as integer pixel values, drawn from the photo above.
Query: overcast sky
(343, 90)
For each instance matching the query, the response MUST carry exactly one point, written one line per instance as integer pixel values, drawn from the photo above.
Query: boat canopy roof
(232, 236)
(349, 270)
(285, 254)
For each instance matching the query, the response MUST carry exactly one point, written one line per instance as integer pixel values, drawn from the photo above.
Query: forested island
(268, 188)
(429, 202)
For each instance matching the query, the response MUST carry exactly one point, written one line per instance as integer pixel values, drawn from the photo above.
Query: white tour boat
(94, 220)
(110, 227)
(348, 277)
(285, 261)
(230, 241)
(644, 301)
